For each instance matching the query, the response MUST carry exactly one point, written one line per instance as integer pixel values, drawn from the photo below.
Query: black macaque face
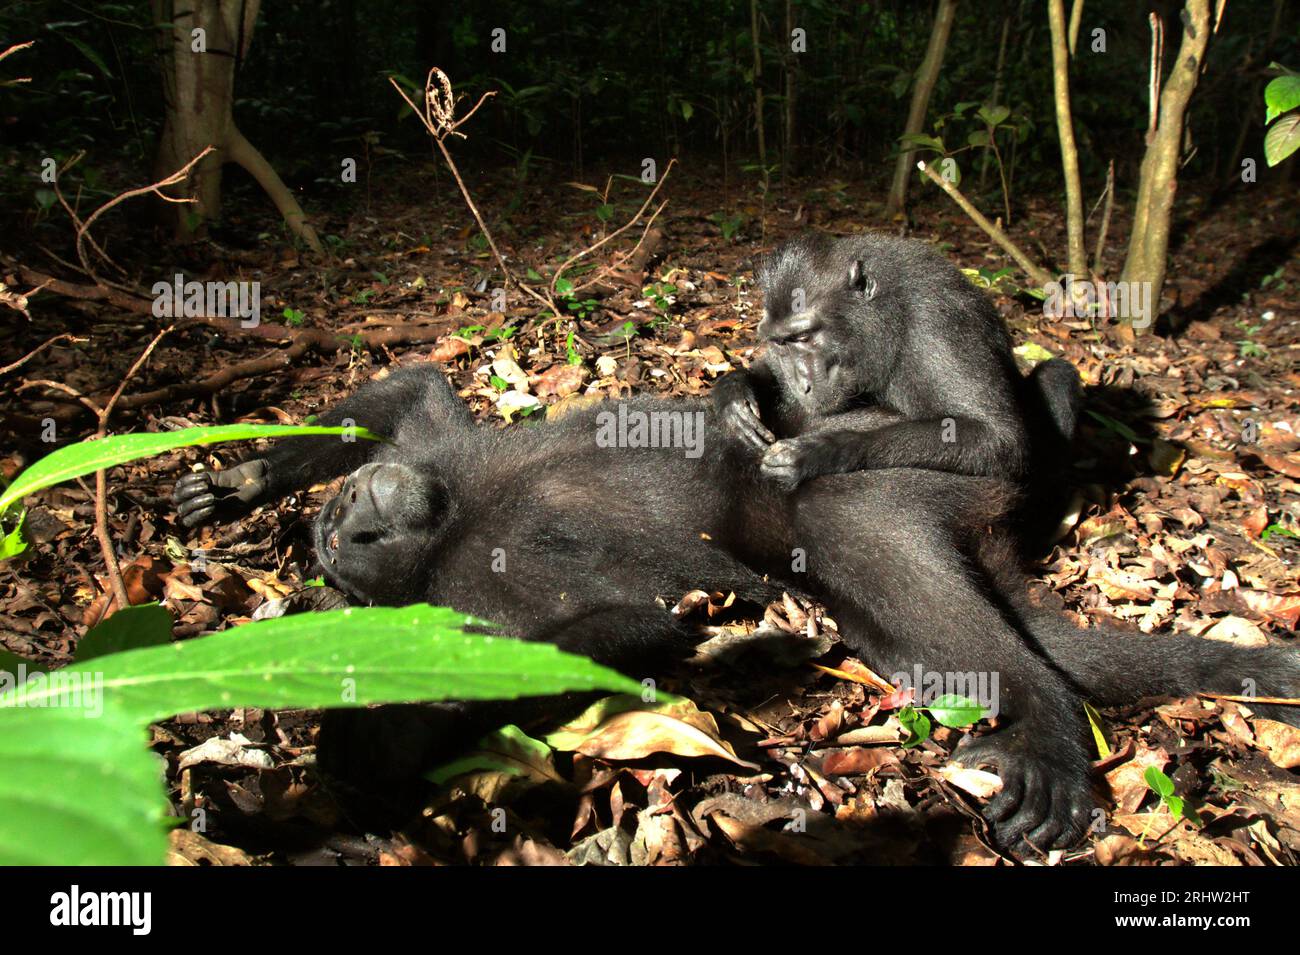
(376, 537)
(815, 338)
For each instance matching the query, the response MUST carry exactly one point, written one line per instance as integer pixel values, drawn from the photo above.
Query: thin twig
(587, 251)
(101, 481)
(156, 188)
(37, 350)
(14, 49)
(18, 300)
(1105, 219)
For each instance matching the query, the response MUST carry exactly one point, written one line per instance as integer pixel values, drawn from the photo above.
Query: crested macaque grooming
(881, 354)
(558, 537)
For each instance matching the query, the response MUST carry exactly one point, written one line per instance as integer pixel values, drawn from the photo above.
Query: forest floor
(1186, 516)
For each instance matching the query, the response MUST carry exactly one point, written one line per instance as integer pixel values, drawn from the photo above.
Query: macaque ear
(860, 280)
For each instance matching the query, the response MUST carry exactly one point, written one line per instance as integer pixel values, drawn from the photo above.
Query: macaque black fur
(909, 562)
(881, 354)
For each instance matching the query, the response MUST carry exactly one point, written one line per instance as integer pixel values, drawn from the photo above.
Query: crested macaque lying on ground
(557, 536)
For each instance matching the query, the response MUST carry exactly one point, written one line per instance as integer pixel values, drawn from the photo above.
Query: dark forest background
(581, 88)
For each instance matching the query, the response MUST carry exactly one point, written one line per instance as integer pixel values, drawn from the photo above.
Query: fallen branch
(1039, 275)
(302, 342)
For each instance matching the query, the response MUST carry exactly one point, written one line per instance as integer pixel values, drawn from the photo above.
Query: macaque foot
(1046, 798)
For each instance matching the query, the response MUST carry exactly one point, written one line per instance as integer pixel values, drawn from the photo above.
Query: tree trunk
(758, 91)
(926, 77)
(1149, 240)
(791, 68)
(198, 91)
(1077, 253)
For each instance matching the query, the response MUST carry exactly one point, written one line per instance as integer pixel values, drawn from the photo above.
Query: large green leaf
(78, 790)
(345, 657)
(78, 786)
(86, 457)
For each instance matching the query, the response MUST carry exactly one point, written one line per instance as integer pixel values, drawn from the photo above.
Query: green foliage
(1281, 95)
(948, 710)
(917, 725)
(571, 353)
(659, 295)
(1163, 786)
(1281, 99)
(582, 308)
(730, 226)
(78, 786)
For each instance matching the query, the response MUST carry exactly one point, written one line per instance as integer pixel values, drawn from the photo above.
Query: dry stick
(37, 350)
(101, 481)
(1105, 219)
(1037, 273)
(71, 210)
(1235, 698)
(439, 118)
(301, 343)
(83, 227)
(627, 225)
(111, 569)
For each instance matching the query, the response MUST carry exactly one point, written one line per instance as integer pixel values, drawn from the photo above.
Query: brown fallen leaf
(144, 579)
(623, 727)
(449, 349)
(1237, 630)
(1127, 782)
(1288, 464)
(559, 380)
(858, 672)
(1279, 741)
(1147, 826)
(977, 782)
(857, 760)
(189, 848)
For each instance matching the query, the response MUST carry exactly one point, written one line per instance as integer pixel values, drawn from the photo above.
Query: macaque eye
(800, 339)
